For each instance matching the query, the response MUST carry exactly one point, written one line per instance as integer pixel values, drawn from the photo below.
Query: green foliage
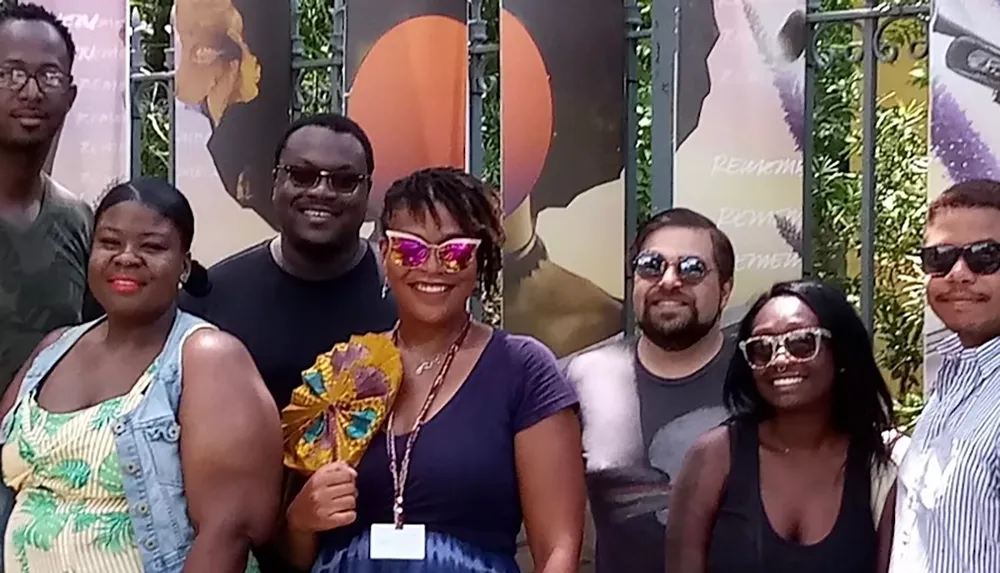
(900, 200)
(154, 100)
(315, 82)
(644, 112)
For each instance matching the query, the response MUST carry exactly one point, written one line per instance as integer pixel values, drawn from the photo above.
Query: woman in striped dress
(108, 467)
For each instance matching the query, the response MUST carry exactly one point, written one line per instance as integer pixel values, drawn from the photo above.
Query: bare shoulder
(210, 344)
(711, 449)
(210, 353)
(217, 365)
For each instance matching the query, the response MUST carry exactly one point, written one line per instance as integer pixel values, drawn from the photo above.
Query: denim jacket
(148, 448)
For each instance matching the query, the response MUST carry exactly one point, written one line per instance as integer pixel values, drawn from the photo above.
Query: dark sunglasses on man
(982, 258)
(342, 182)
(651, 265)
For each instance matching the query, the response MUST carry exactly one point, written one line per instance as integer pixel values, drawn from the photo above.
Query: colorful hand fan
(343, 401)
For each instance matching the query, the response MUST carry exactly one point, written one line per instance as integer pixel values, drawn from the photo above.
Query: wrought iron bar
(665, 17)
(477, 86)
(171, 83)
(633, 22)
(298, 54)
(136, 63)
(869, 108)
(808, 148)
(338, 46)
(151, 77)
(313, 64)
(873, 11)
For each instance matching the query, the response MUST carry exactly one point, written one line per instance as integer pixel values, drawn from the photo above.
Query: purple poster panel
(92, 149)
(965, 126)
(233, 89)
(739, 134)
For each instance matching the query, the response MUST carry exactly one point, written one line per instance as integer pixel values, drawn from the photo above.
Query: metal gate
(650, 32)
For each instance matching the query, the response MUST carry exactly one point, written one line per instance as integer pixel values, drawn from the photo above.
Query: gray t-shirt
(43, 275)
(629, 502)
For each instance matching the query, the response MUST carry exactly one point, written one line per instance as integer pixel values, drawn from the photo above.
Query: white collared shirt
(948, 490)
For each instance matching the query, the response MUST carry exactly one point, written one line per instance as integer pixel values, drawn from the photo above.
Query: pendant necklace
(427, 365)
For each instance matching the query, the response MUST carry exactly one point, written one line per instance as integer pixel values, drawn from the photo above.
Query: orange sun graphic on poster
(409, 95)
(526, 111)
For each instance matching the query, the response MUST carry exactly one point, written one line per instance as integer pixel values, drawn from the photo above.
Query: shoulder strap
(169, 360)
(43, 364)
(883, 476)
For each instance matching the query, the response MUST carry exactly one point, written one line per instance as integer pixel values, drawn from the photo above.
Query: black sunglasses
(651, 265)
(982, 258)
(343, 182)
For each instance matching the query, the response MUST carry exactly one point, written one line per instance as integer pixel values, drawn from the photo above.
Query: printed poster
(562, 108)
(407, 75)
(92, 149)
(740, 115)
(233, 92)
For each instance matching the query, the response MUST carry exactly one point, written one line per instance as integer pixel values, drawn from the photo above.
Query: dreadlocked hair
(474, 205)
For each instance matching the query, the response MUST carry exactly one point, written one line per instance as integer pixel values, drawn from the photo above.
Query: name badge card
(387, 542)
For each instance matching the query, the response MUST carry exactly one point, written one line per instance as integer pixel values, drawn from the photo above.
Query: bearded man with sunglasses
(318, 282)
(948, 489)
(644, 401)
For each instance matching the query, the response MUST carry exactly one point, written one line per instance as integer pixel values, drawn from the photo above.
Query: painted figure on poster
(562, 143)
(234, 68)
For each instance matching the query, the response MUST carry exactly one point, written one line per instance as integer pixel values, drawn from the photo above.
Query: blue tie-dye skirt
(445, 554)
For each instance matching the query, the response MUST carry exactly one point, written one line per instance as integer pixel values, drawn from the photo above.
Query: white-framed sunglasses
(800, 345)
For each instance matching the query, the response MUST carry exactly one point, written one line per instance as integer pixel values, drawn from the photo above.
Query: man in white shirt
(948, 497)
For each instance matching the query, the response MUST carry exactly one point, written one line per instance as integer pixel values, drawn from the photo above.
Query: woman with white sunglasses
(800, 478)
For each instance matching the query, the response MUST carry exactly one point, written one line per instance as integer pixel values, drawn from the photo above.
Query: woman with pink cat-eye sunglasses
(483, 433)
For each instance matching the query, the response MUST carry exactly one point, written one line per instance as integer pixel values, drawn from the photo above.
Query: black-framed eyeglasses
(982, 258)
(651, 265)
(800, 345)
(49, 79)
(343, 182)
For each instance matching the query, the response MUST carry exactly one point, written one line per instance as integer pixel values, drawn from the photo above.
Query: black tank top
(743, 540)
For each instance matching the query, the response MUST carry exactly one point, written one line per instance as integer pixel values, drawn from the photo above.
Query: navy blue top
(462, 481)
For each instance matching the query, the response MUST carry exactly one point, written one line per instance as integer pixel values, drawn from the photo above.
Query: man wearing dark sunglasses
(645, 400)
(948, 508)
(44, 229)
(318, 282)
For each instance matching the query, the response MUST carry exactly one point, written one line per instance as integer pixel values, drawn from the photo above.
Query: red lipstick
(124, 285)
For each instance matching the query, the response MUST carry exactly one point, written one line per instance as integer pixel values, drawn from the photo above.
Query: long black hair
(862, 404)
(475, 206)
(171, 204)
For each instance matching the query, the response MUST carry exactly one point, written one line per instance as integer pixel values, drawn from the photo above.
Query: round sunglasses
(982, 258)
(800, 345)
(410, 251)
(651, 265)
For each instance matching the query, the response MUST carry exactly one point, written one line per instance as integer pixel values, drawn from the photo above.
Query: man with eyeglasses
(948, 485)
(318, 282)
(44, 229)
(644, 401)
